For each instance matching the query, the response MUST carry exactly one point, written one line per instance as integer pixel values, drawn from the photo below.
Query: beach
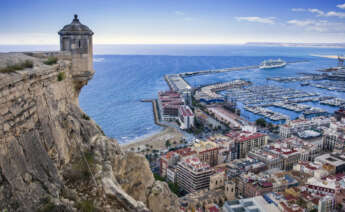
(156, 141)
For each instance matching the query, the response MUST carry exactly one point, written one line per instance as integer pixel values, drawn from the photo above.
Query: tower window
(79, 43)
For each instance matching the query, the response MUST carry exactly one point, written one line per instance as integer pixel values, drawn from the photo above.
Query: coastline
(325, 56)
(154, 141)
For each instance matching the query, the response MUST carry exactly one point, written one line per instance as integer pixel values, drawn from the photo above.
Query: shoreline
(325, 56)
(154, 141)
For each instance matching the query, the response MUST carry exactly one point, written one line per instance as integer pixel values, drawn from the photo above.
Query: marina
(274, 116)
(257, 99)
(268, 95)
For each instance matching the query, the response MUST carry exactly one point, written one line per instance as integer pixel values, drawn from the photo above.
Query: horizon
(176, 23)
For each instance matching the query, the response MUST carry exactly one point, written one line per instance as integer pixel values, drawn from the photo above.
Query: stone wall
(44, 137)
(18, 95)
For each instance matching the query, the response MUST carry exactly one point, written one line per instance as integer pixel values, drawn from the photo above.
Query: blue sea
(127, 73)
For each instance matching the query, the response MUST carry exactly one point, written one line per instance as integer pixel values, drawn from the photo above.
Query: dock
(155, 111)
(176, 82)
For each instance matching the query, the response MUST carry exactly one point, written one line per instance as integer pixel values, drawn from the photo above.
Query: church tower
(76, 41)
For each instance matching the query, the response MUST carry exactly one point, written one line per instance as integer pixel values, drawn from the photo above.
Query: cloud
(179, 13)
(341, 6)
(317, 11)
(319, 25)
(328, 14)
(321, 13)
(301, 23)
(298, 10)
(269, 20)
(335, 14)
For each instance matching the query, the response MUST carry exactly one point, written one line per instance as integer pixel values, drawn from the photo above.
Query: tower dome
(75, 28)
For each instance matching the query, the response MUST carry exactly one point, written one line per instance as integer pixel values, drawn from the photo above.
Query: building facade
(192, 174)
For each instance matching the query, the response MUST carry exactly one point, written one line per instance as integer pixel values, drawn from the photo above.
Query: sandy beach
(155, 141)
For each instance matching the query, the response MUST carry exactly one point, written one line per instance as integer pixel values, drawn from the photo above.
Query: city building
(257, 204)
(269, 159)
(334, 137)
(245, 141)
(299, 125)
(192, 174)
(335, 160)
(326, 204)
(277, 156)
(169, 103)
(286, 201)
(170, 159)
(230, 190)
(207, 151)
(340, 114)
(186, 117)
(217, 180)
(311, 168)
(322, 187)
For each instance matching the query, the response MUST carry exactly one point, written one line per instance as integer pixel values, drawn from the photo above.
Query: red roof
(182, 152)
(213, 209)
(290, 151)
(245, 136)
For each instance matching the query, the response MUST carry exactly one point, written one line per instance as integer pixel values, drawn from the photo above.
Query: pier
(177, 83)
(214, 71)
(155, 111)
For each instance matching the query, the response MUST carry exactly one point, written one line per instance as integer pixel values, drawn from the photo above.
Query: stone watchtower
(76, 41)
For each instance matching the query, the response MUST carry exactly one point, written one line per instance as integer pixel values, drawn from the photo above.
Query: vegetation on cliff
(51, 60)
(17, 66)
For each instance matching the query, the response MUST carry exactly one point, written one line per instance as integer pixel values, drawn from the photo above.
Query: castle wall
(18, 96)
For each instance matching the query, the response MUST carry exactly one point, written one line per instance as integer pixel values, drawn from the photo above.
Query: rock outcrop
(53, 157)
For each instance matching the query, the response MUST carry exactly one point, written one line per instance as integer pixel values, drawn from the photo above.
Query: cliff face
(53, 157)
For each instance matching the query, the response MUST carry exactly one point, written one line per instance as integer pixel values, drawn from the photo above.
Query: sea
(125, 74)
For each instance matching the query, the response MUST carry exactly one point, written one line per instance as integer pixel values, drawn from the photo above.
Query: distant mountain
(316, 45)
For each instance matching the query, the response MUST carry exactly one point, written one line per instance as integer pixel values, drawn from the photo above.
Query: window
(79, 44)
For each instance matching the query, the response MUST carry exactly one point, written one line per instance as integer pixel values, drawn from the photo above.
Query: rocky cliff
(53, 157)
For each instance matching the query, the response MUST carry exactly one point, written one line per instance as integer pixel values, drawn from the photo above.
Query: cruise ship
(267, 64)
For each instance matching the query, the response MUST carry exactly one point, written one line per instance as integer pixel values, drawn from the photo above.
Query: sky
(175, 21)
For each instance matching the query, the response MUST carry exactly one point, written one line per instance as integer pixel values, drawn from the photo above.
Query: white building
(326, 204)
(186, 117)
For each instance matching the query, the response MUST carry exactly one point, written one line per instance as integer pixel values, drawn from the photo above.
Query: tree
(167, 143)
(260, 122)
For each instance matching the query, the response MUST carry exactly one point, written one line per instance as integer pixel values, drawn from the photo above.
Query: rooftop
(75, 28)
(194, 163)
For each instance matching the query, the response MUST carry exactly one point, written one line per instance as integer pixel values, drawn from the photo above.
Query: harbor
(263, 100)
(177, 82)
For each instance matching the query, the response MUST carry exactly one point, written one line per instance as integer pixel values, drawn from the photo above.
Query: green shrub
(80, 170)
(17, 66)
(61, 76)
(86, 117)
(47, 207)
(28, 64)
(86, 206)
(51, 60)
